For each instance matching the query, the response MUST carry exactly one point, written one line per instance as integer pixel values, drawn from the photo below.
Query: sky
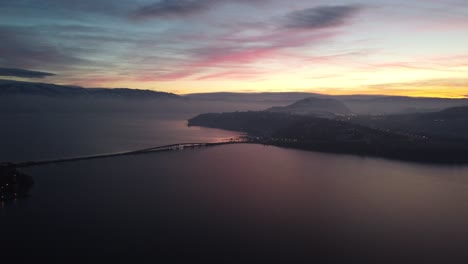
(393, 47)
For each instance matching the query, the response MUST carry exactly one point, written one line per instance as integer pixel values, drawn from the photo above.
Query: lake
(233, 203)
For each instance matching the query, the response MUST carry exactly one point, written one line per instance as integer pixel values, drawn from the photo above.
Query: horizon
(416, 49)
(246, 92)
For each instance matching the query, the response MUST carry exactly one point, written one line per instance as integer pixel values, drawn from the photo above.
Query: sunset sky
(417, 47)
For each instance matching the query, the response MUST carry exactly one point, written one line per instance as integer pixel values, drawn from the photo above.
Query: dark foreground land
(337, 136)
(13, 184)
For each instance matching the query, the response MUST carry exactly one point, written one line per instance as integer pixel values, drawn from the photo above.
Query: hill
(17, 88)
(358, 104)
(312, 106)
(42, 89)
(280, 97)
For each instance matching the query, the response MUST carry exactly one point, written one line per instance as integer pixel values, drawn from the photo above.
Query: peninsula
(337, 136)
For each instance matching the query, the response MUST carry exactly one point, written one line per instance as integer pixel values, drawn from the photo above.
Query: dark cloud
(25, 47)
(321, 16)
(175, 8)
(166, 8)
(93, 6)
(22, 73)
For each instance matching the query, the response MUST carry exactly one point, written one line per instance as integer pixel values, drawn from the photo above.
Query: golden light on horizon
(418, 83)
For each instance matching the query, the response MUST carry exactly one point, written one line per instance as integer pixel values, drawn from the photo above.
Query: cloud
(167, 8)
(23, 47)
(176, 8)
(236, 56)
(447, 82)
(90, 6)
(237, 52)
(244, 74)
(321, 16)
(23, 73)
(445, 87)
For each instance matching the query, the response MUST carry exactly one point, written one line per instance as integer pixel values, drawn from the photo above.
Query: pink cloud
(166, 76)
(238, 52)
(246, 45)
(240, 74)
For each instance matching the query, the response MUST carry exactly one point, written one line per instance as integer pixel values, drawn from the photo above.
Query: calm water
(237, 202)
(54, 135)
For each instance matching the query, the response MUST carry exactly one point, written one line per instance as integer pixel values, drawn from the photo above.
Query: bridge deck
(179, 146)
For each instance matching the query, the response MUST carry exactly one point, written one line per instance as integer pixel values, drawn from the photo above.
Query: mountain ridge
(18, 88)
(320, 107)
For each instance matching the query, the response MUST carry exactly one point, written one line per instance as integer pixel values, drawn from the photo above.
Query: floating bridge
(172, 147)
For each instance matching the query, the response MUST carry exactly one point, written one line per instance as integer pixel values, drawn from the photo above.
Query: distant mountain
(272, 96)
(314, 107)
(8, 87)
(280, 97)
(358, 104)
(129, 93)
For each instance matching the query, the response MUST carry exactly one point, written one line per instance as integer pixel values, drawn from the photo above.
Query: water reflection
(248, 202)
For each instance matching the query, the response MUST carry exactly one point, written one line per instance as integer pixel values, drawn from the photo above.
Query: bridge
(171, 147)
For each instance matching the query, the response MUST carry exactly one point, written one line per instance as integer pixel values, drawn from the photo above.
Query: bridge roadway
(179, 146)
